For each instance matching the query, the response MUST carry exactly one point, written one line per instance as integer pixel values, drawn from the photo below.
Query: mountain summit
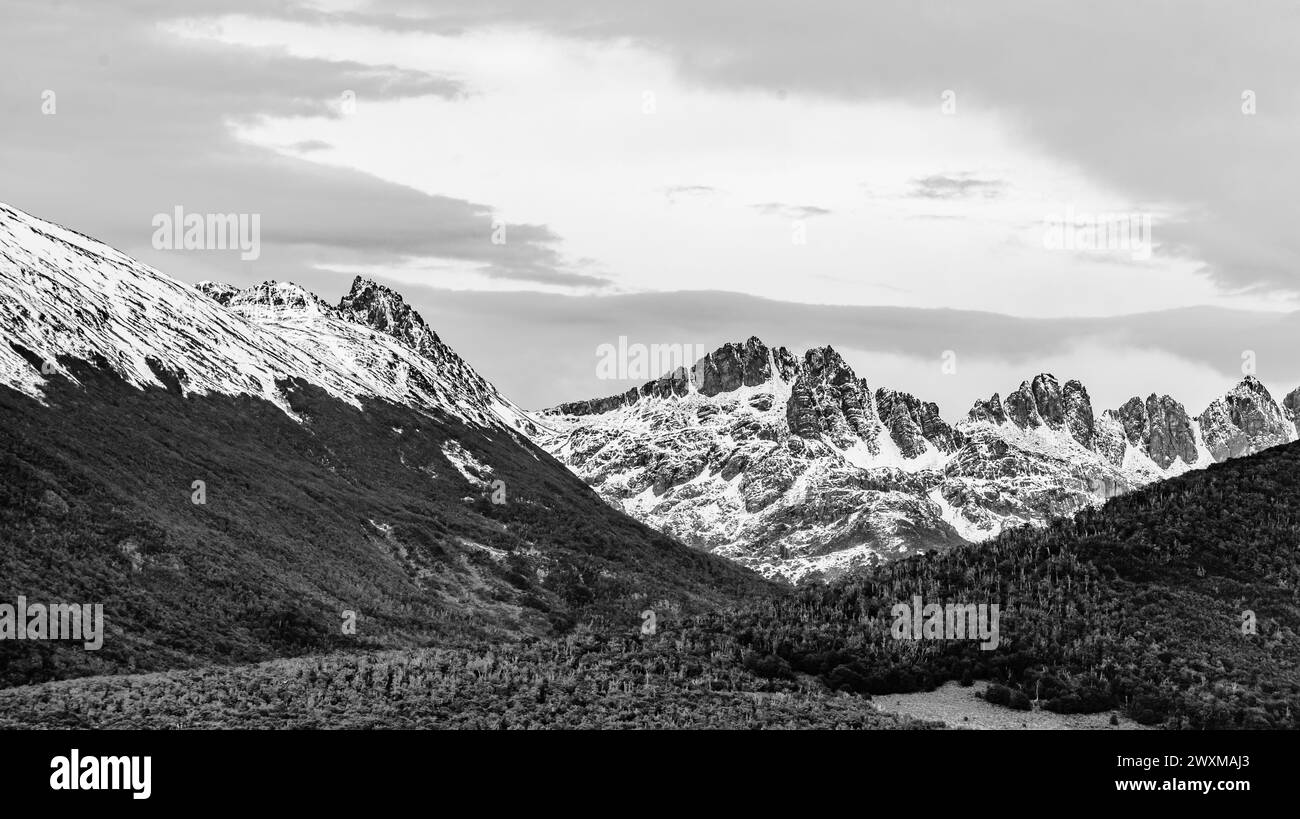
(66, 295)
(793, 465)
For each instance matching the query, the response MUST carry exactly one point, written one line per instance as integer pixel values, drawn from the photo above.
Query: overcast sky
(878, 176)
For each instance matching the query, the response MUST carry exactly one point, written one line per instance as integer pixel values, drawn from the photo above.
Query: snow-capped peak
(383, 309)
(278, 298)
(794, 465)
(65, 295)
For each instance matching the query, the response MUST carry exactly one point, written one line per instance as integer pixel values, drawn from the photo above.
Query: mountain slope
(349, 462)
(1134, 607)
(794, 466)
(64, 294)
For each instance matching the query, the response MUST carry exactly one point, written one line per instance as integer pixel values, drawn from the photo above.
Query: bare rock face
(914, 424)
(733, 366)
(1078, 414)
(1021, 408)
(383, 309)
(828, 399)
(1170, 432)
(1160, 428)
(1244, 421)
(1048, 400)
(990, 411)
(1137, 426)
(596, 406)
(1040, 402)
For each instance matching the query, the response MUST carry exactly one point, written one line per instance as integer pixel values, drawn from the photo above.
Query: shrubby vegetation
(581, 681)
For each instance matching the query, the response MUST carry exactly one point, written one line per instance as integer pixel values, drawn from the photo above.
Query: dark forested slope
(1179, 604)
(383, 511)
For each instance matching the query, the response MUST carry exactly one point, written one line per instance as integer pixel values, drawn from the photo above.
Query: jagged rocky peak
(1037, 403)
(786, 364)
(1245, 420)
(828, 398)
(1160, 427)
(912, 423)
(991, 411)
(733, 366)
(219, 292)
(1171, 432)
(730, 367)
(376, 306)
(1021, 409)
(1043, 402)
(278, 297)
(1079, 419)
(1133, 417)
(1048, 399)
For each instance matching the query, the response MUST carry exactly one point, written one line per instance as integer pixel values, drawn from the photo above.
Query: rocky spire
(1078, 414)
(912, 423)
(733, 366)
(1159, 427)
(1245, 420)
(827, 398)
(373, 305)
(991, 411)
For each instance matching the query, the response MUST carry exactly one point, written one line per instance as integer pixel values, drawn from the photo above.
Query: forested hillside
(382, 511)
(1135, 607)
(1138, 605)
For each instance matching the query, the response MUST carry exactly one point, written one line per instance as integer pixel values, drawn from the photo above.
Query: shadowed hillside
(385, 511)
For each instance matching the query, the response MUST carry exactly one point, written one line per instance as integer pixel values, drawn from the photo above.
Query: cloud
(690, 190)
(558, 364)
(790, 211)
(674, 192)
(955, 187)
(1156, 118)
(144, 120)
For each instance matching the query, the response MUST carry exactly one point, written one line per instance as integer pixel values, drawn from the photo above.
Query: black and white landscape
(581, 365)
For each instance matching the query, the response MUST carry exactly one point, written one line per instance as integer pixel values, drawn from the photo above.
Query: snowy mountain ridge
(789, 464)
(64, 294)
(794, 466)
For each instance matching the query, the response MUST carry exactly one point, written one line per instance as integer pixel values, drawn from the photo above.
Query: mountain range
(794, 466)
(235, 473)
(790, 465)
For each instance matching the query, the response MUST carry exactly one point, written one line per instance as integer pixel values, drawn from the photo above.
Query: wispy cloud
(675, 192)
(939, 186)
(790, 211)
(146, 120)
